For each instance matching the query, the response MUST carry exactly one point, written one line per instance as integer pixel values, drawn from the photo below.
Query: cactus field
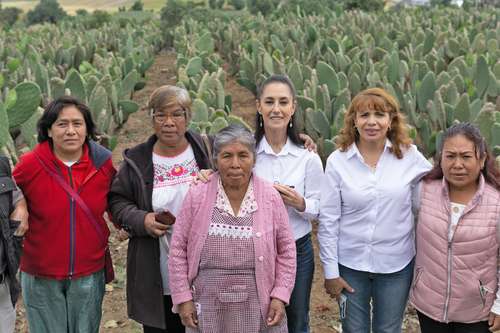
(443, 65)
(101, 67)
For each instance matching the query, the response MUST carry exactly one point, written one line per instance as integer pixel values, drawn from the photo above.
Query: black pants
(428, 325)
(174, 324)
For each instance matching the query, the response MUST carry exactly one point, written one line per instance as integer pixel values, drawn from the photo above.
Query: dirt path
(243, 101)
(137, 129)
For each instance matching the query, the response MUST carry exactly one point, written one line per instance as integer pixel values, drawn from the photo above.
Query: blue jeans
(388, 294)
(298, 310)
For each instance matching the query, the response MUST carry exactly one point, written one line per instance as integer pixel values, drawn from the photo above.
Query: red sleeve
(21, 173)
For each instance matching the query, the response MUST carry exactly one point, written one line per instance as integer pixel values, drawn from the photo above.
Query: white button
(258, 234)
(261, 258)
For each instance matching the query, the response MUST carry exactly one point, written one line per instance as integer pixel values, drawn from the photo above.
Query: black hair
(290, 131)
(490, 171)
(52, 111)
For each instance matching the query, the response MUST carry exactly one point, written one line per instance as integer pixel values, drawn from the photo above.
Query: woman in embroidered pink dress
(232, 257)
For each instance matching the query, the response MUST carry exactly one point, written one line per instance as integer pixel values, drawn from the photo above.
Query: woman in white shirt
(297, 175)
(366, 231)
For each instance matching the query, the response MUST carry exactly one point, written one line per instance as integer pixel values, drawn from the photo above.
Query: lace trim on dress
(231, 231)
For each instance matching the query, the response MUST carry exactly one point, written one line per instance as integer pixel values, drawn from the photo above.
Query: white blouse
(172, 179)
(297, 167)
(366, 220)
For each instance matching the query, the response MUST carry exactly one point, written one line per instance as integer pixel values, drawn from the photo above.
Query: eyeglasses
(161, 118)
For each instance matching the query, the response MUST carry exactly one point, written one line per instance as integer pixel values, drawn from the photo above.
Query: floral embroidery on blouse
(168, 175)
(248, 206)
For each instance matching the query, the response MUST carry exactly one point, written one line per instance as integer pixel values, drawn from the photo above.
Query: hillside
(71, 6)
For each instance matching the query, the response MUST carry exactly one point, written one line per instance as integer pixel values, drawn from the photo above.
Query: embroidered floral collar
(248, 206)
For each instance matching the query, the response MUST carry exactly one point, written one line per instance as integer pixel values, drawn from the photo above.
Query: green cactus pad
(28, 99)
(4, 126)
(482, 77)
(205, 43)
(320, 123)
(425, 93)
(495, 135)
(217, 125)
(98, 101)
(56, 87)
(29, 128)
(232, 119)
(194, 66)
(327, 75)
(462, 109)
(75, 83)
(128, 85)
(199, 110)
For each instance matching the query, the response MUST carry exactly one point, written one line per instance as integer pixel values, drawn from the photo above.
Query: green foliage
(237, 4)
(366, 5)
(311, 6)
(26, 102)
(46, 11)
(81, 12)
(97, 19)
(265, 7)
(137, 6)
(440, 2)
(216, 4)
(9, 16)
(173, 13)
(100, 67)
(440, 64)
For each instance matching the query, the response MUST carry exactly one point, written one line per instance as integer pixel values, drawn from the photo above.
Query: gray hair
(232, 134)
(168, 95)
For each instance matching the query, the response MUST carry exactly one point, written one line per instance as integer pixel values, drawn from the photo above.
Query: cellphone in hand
(165, 217)
(342, 305)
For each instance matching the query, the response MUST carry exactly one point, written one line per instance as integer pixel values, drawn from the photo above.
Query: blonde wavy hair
(375, 99)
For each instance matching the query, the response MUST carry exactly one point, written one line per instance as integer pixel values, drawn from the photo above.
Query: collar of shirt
(288, 148)
(248, 205)
(354, 151)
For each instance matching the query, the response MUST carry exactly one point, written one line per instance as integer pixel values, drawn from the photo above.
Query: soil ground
(324, 312)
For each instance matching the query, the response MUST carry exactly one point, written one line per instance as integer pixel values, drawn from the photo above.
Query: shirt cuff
(331, 271)
(496, 307)
(17, 195)
(311, 210)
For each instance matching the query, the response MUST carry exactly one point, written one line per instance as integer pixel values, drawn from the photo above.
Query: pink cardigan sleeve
(286, 253)
(178, 265)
